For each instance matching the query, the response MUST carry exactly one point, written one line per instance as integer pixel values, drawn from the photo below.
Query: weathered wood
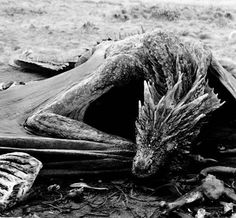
(176, 100)
(49, 63)
(18, 103)
(225, 77)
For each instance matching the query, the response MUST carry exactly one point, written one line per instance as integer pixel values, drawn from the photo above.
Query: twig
(51, 205)
(125, 195)
(96, 214)
(141, 200)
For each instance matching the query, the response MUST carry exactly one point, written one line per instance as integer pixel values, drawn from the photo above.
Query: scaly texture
(171, 122)
(176, 99)
(18, 171)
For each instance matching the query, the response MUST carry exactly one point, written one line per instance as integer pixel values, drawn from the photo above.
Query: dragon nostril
(142, 167)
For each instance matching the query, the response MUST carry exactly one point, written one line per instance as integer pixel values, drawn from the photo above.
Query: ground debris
(84, 185)
(201, 213)
(124, 198)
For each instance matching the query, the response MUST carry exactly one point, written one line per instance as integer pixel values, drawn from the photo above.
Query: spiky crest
(177, 117)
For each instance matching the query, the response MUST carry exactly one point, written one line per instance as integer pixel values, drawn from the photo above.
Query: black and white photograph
(118, 108)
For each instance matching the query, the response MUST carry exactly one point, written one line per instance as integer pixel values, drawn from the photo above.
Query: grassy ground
(69, 26)
(72, 25)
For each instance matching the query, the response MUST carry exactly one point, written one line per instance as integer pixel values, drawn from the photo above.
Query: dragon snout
(140, 168)
(142, 165)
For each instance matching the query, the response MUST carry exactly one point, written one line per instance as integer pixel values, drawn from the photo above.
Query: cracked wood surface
(55, 107)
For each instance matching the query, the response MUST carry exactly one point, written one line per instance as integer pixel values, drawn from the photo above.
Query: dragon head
(168, 124)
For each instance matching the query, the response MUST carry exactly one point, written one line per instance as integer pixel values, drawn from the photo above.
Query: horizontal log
(62, 173)
(53, 149)
(36, 142)
(49, 155)
(90, 165)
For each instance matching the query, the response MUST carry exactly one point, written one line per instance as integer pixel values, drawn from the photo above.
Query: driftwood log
(146, 96)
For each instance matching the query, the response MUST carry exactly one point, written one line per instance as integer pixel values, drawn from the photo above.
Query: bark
(176, 100)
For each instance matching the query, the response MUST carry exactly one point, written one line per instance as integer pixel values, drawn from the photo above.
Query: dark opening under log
(116, 111)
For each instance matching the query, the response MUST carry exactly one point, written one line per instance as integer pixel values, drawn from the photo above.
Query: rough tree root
(211, 188)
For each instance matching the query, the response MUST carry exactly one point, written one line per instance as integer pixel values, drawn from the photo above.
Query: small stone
(228, 207)
(53, 188)
(233, 215)
(76, 194)
(201, 213)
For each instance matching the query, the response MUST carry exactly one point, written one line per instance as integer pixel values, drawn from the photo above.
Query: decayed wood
(52, 62)
(211, 188)
(225, 77)
(18, 103)
(175, 101)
